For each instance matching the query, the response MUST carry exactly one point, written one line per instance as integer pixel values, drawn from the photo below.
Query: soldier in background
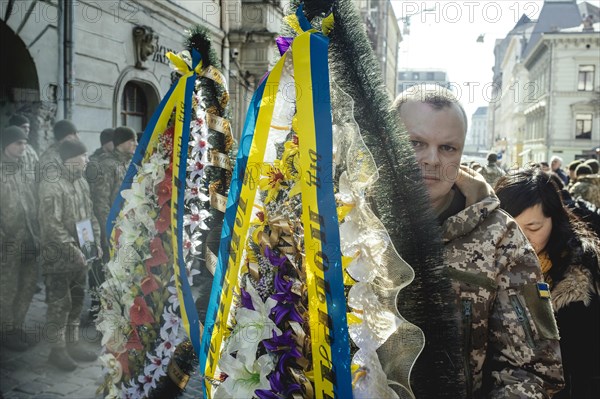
(64, 203)
(106, 144)
(105, 176)
(18, 236)
(105, 179)
(63, 130)
(491, 172)
(30, 156)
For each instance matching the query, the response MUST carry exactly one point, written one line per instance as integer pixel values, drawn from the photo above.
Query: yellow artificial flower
(272, 181)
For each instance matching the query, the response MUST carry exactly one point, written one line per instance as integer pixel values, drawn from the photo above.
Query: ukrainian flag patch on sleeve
(543, 290)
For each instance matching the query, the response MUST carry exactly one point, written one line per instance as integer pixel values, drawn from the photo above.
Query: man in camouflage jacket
(511, 347)
(18, 236)
(64, 202)
(106, 175)
(30, 157)
(511, 337)
(106, 144)
(50, 159)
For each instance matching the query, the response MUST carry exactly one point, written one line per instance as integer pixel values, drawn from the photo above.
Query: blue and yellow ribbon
(327, 301)
(179, 97)
(240, 201)
(324, 273)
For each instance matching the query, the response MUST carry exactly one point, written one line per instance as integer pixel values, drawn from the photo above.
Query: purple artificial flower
(282, 343)
(246, 299)
(286, 300)
(282, 362)
(279, 387)
(283, 43)
(266, 394)
(274, 258)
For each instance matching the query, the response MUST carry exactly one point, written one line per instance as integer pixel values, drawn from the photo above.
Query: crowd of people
(521, 247)
(52, 217)
(524, 267)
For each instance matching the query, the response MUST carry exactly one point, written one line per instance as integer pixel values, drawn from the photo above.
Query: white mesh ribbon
(388, 344)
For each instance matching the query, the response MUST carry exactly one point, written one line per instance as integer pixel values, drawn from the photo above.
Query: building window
(134, 109)
(430, 76)
(586, 78)
(583, 126)
(416, 76)
(403, 76)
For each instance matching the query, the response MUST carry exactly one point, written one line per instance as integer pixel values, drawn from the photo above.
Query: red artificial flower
(134, 342)
(149, 284)
(164, 219)
(139, 313)
(123, 358)
(157, 252)
(164, 190)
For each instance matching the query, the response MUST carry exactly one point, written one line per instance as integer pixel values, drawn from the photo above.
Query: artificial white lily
(252, 326)
(155, 167)
(195, 218)
(157, 365)
(135, 196)
(243, 379)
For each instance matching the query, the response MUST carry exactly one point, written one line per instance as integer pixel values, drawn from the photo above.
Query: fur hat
(71, 148)
(12, 134)
(123, 134)
(63, 128)
(593, 164)
(107, 135)
(582, 170)
(573, 165)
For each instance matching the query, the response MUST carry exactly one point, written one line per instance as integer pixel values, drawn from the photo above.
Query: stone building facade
(102, 63)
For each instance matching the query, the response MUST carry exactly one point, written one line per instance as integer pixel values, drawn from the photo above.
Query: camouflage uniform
(18, 236)
(511, 339)
(64, 202)
(30, 159)
(50, 163)
(95, 157)
(588, 188)
(491, 173)
(105, 177)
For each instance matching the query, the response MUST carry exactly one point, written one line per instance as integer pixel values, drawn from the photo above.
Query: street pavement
(28, 375)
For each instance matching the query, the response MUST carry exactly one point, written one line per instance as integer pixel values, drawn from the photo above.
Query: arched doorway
(19, 85)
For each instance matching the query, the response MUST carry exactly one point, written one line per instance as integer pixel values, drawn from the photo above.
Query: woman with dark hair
(569, 255)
